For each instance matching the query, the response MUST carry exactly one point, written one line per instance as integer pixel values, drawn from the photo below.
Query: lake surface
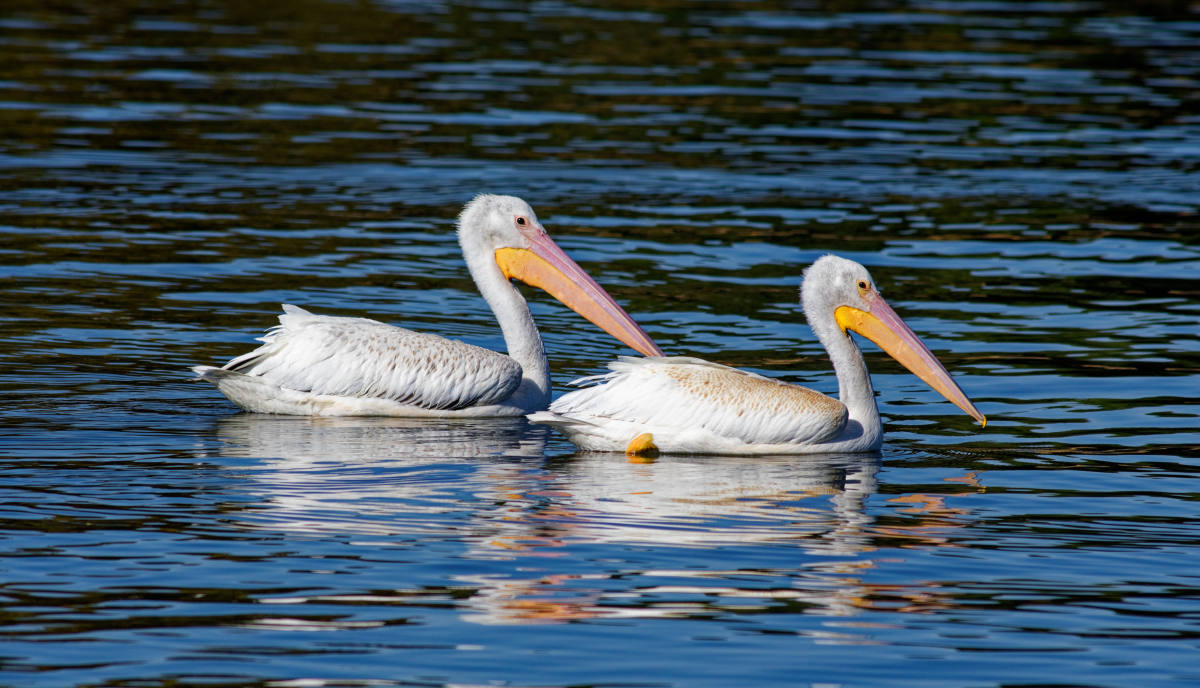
(1022, 179)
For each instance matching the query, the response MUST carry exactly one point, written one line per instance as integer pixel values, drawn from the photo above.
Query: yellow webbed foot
(641, 449)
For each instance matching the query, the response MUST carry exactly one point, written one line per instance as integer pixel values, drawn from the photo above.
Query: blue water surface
(1020, 178)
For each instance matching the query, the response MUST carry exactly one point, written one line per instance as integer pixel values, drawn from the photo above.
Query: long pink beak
(546, 266)
(882, 326)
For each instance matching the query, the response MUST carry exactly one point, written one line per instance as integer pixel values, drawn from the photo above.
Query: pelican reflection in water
(335, 366)
(408, 484)
(369, 475)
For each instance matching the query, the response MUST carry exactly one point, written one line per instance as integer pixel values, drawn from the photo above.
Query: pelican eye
(862, 285)
(521, 221)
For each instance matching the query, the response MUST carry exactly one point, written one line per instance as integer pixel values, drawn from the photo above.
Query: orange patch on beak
(545, 266)
(889, 332)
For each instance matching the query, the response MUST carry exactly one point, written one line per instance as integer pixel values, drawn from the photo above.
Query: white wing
(363, 358)
(688, 394)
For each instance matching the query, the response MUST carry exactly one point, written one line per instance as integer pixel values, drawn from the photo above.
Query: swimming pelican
(687, 405)
(334, 366)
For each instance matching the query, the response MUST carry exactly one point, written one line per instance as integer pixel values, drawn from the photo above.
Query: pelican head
(844, 289)
(506, 230)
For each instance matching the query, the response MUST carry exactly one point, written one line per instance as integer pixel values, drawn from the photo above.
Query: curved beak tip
(882, 326)
(969, 408)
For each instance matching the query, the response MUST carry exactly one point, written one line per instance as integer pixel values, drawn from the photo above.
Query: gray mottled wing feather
(683, 393)
(362, 358)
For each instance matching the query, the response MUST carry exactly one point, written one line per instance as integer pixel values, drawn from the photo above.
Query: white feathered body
(689, 405)
(337, 366)
(686, 405)
(331, 366)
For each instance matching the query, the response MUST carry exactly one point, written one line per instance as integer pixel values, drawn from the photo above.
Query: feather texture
(320, 365)
(360, 358)
(681, 398)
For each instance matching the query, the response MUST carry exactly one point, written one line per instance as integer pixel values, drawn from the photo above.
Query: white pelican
(332, 366)
(687, 405)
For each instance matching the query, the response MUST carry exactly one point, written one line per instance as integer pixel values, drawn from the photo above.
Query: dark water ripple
(1020, 177)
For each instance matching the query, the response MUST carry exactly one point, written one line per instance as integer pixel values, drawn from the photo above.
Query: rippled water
(1021, 178)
